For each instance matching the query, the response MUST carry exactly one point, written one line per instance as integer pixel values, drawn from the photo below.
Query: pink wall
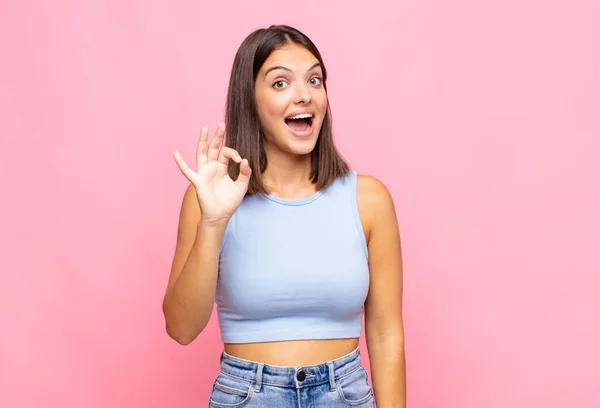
(483, 118)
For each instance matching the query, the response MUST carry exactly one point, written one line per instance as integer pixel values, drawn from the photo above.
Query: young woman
(292, 245)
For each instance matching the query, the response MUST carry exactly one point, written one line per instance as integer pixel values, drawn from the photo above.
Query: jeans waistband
(300, 376)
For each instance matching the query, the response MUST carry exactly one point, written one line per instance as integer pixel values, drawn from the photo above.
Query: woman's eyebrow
(316, 64)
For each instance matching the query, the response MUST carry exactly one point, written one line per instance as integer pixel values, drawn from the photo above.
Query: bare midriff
(293, 353)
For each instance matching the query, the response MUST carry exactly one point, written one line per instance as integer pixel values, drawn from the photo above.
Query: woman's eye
(316, 81)
(278, 84)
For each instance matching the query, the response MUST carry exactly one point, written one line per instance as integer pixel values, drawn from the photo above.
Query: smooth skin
(213, 197)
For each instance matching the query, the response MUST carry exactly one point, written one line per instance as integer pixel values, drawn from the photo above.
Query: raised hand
(218, 195)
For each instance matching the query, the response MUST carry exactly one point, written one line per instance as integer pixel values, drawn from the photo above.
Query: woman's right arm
(190, 294)
(208, 204)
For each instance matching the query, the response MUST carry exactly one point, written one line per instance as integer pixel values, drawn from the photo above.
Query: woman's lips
(302, 133)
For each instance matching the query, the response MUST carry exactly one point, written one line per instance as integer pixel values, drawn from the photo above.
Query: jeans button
(301, 376)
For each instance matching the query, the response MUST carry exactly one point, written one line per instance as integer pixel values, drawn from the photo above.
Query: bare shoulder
(373, 196)
(372, 189)
(375, 203)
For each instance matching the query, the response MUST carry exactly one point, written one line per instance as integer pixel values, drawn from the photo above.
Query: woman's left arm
(383, 308)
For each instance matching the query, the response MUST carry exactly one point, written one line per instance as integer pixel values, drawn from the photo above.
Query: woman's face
(290, 85)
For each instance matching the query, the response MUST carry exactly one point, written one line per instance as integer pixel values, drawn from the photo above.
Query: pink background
(483, 118)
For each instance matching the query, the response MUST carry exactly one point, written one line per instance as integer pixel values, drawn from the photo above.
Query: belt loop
(259, 375)
(331, 376)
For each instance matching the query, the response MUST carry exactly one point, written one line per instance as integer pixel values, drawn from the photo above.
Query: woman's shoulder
(375, 201)
(370, 188)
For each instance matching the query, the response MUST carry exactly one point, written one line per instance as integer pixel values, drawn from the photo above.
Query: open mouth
(300, 123)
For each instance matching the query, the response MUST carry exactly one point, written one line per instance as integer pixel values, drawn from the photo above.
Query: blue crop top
(294, 269)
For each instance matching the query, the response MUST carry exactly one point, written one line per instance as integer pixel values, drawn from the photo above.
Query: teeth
(301, 116)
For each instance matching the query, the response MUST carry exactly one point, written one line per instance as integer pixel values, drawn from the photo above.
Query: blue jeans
(342, 382)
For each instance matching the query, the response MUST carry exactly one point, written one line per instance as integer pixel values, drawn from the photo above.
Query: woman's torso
(306, 277)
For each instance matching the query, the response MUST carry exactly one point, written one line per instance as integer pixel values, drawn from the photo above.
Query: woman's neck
(288, 174)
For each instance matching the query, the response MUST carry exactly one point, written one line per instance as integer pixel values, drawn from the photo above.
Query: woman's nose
(302, 94)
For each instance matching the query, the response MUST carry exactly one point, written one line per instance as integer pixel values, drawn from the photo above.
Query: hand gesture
(218, 195)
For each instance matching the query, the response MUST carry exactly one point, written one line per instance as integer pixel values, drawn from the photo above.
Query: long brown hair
(244, 131)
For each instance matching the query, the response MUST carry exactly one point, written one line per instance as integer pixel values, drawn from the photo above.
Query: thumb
(245, 172)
